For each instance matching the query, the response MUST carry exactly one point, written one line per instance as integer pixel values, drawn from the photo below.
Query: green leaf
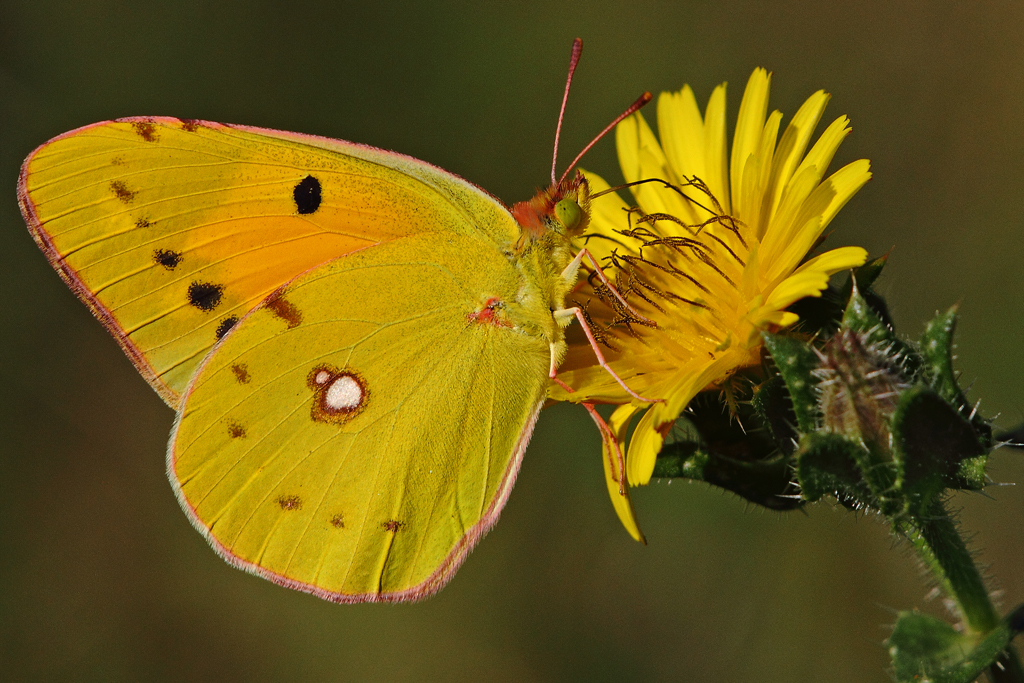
(926, 649)
(827, 464)
(796, 360)
(869, 272)
(683, 459)
(773, 408)
(766, 482)
(937, 352)
(935, 448)
(820, 315)
(717, 449)
(861, 317)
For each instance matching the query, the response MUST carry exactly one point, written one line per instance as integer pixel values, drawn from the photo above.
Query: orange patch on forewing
(285, 310)
(492, 313)
(146, 130)
(241, 372)
(121, 191)
(392, 525)
(290, 503)
(338, 395)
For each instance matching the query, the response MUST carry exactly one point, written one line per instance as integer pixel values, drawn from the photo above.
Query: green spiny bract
(859, 415)
(842, 407)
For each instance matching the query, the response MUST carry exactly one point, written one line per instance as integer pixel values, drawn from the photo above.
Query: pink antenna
(640, 101)
(577, 50)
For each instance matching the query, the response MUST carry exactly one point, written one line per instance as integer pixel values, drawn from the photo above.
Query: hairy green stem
(937, 540)
(944, 552)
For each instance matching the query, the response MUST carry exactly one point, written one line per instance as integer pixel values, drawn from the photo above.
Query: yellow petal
(682, 135)
(749, 126)
(641, 158)
(791, 149)
(644, 447)
(782, 319)
(619, 494)
(796, 287)
(846, 182)
(648, 437)
(833, 261)
(825, 148)
(792, 213)
(715, 149)
(590, 382)
(784, 225)
(817, 210)
(756, 175)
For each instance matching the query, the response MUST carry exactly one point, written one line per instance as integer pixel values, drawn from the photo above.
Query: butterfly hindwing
(172, 230)
(360, 452)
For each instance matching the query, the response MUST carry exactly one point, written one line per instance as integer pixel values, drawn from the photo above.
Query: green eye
(568, 213)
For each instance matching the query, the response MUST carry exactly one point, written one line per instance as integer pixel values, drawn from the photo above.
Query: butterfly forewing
(173, 230)
(356, 433)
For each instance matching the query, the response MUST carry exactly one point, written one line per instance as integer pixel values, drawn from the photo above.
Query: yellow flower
(708, 258)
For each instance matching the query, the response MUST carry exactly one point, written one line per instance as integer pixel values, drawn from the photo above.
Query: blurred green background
(102, 577)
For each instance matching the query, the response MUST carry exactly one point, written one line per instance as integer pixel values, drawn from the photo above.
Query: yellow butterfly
(357, 343)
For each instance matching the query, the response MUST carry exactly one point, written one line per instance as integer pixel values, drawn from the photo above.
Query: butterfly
(357, 343)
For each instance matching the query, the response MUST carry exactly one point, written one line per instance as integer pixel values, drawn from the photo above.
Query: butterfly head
(563, 208)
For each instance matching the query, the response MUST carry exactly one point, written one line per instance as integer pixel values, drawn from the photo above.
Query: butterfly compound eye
(568, 213)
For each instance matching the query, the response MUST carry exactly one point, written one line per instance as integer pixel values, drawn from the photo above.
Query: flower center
(671, 268)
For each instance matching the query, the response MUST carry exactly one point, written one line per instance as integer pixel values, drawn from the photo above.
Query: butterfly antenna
(640, 102)
(577, 50)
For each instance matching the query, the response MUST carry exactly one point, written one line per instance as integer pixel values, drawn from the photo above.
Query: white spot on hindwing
(338, 395)
(344, 393)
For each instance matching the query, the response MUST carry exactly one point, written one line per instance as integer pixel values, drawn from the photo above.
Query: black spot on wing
(142, 223)
(241, 372)
(167, 258)
(225, 325)
(204, 295)
(290, 502)
(284, 310)
(122, 192)
(307, 195)
(146, 130)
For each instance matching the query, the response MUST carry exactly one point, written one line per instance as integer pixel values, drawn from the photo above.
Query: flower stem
(944, 552)
(936, 538)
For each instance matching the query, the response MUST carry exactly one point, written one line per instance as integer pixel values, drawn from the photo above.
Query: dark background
(102, 577)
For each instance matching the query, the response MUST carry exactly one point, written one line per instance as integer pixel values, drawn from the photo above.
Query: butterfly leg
(615, 465)
(575, 311)
(615, 458)
(615, 474)
(570, 273)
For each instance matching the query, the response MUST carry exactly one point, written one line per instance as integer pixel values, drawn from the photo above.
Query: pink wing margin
(102, 313)
(71, 278)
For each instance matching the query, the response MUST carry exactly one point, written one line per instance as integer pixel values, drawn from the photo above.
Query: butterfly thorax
(544, 251)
